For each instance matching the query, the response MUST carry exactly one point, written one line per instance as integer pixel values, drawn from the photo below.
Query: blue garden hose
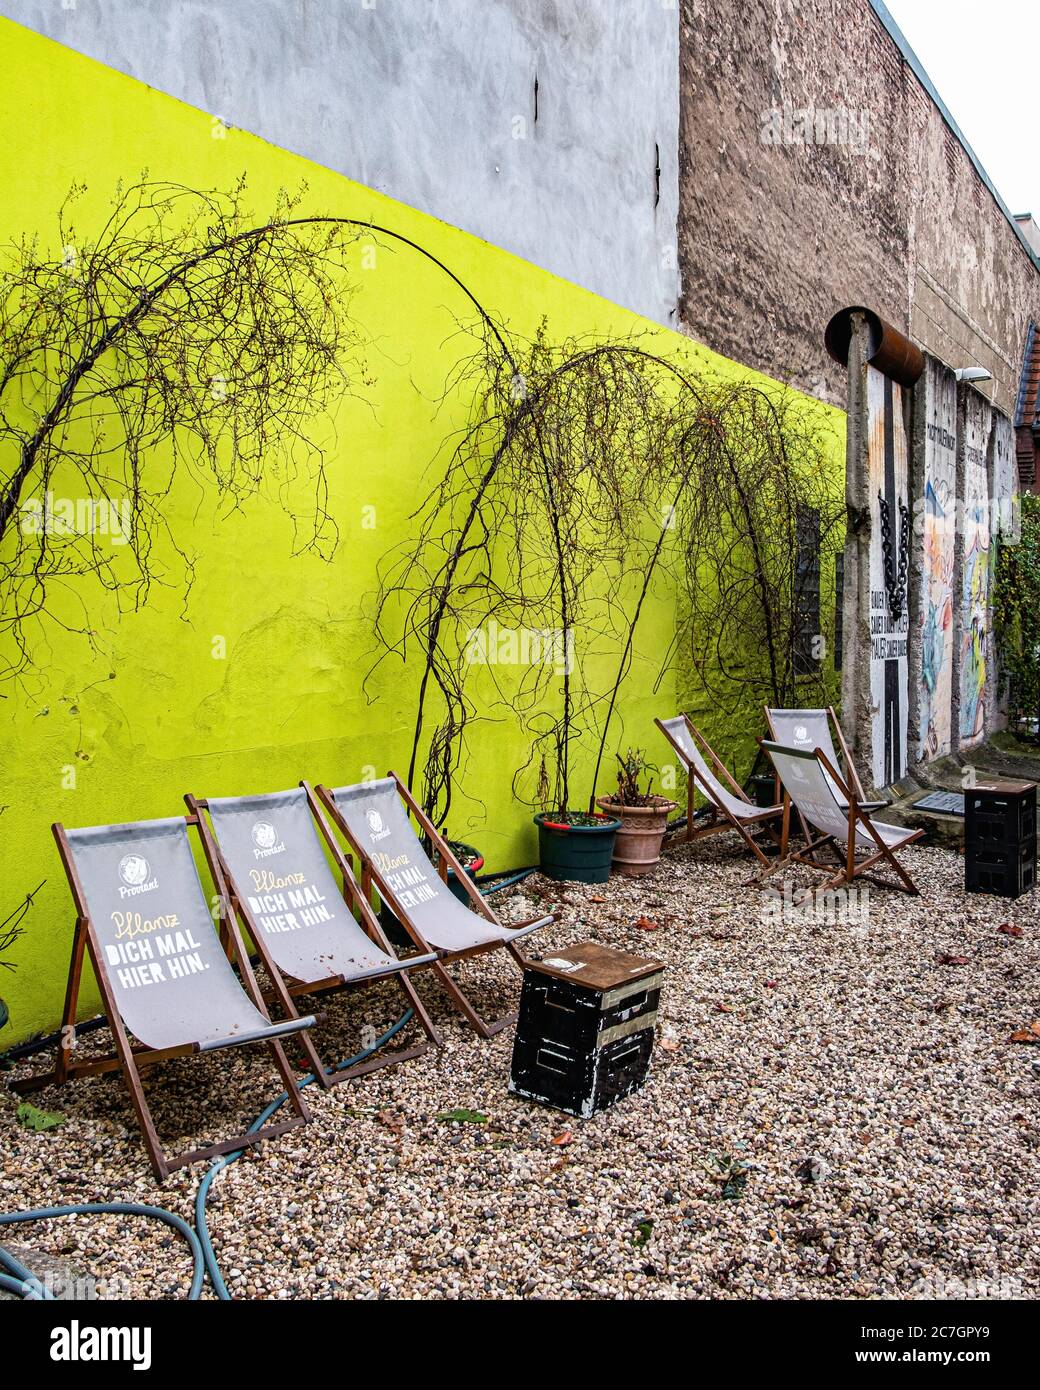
(22, 1289)
(18, 1272)
(226, 1160)
(508, 882)
(19, 1280)
(23, 1283)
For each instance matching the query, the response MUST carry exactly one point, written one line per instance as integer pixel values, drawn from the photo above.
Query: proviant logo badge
(134, 870)
(375, 824)
(266, 840)
(801, 733)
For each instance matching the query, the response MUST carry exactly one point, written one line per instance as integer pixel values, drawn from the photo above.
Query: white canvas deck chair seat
(809, 729)
(731, 808)
(143, 918)
(301, 921)
(373, 817)
(813, 785)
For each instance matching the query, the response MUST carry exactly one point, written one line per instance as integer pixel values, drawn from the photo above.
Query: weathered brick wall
(774, 237)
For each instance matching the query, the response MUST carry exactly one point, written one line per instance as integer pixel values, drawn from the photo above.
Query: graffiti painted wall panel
(889, 568)
(973, 643)
(1004, 529)
(935, 521)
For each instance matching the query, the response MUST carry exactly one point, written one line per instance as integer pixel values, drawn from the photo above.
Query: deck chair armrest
(276, 1030)
(532, 923)
(410, 962)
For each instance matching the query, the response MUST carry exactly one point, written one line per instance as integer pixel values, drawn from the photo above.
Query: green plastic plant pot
(575, 853)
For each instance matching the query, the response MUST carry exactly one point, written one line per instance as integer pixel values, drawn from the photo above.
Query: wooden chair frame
(284, 987)
(721, 819)
(851, 867)
(131, 1059)
(371, 879)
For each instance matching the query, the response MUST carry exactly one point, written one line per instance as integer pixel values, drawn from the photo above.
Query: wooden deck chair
(731, 809)
(809, 729)
(828, 806)
(373, 817)
(143, 918)
(301, 922)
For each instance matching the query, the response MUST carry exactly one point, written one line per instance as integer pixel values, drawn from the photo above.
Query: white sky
(982, 59)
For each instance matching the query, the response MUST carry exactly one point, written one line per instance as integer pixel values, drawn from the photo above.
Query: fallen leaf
(725, 1009)
(770, 984)
(944, 958)
(39, 1120)
(1009, 929)
(670, 1044)
(463, 1117)
(1029, 1034)
(645, 924)
(597, 900)
(561, 1140)
(392, 1120)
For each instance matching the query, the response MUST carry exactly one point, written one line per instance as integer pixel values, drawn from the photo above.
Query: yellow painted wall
(286, 701)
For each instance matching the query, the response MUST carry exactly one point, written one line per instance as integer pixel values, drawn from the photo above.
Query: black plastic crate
(1007, 873)
(1000, 813)
(585, 1030)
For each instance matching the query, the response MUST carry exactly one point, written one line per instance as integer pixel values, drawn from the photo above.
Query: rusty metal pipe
(890, 351)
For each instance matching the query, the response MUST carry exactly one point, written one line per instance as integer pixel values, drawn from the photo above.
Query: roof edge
(898, 37)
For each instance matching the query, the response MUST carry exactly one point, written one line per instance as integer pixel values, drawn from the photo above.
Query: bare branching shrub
(180, 340)
(183, 343)
(754, 626)
(588, 469)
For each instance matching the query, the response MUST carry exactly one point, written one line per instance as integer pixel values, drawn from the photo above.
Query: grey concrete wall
(433, 102)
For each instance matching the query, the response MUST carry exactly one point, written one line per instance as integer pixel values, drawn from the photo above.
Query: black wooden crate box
(585, 1031)
(1000, 838)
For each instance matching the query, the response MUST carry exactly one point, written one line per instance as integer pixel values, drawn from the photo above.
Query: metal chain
(895, 573)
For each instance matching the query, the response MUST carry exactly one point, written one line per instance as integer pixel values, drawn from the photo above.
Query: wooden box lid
(1007, 786)
(595, 966)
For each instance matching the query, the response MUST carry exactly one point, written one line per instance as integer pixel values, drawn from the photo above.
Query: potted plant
(573, 845)
(643, 816)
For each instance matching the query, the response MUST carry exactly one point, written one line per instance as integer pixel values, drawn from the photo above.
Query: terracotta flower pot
(637, 847)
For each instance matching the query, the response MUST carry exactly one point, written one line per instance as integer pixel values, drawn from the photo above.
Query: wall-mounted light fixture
(973, 374)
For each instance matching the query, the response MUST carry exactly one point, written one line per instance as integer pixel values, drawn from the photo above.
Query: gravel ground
(834, 1110)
